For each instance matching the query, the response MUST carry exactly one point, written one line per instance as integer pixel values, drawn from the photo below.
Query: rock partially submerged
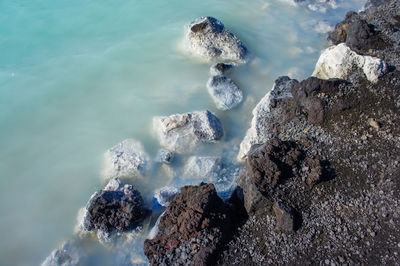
(69, 254)
(126, 159)
(117, 208)
(165, 195)
(164, 156)
(274, 108)
(340, 62)
(225, 93)
(220, 69)
(182, 132)
(205, 168)
(206, 37)
(192, 229)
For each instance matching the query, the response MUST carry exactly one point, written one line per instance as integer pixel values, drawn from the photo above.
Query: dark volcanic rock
(192, 229)
(357, 34)
(274, 163)
(284, 218)
(309, 96)
(114, 208)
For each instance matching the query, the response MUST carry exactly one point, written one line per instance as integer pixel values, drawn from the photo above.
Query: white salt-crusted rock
(164, 195)
(68, 254)
(206, 37)
(340, 61)
(206, 168)
(225, 93)
(182, 132)
(164, 156)
(126, 159)
(263, 117)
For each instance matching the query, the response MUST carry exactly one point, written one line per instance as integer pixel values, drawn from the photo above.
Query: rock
(127, 159)
(284, 218)
(67, 255)
(372, 122)
(306, 96)
(195, 213)
(165, 195)
(357, 34)
(374, 3)
(220, 69)
(182, 132)
(273, 163)
(206, 37)
(340, 61)
(206, 168)
(116, 208)
(164, 156)
(224, 92)
(276, 106)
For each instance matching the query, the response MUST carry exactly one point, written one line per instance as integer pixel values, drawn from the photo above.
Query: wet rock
(206, 37)
(126, 159)
(165, 195)
(182, 132)
(196, 215)
(340, 62)
(220, 69)
(225, 93)
(67, 255)
(116, 208)
(276, 107)
(164, 156)
(205, 168)
(284, 218)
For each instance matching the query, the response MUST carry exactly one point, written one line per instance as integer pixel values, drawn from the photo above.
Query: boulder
(164, 156)
(220, 69)
(192, 230)
(182, 132)
(164, 195)
(274, 163)
(207, 38)
(277, 106)
(205, 168)
(126, 159)
(340, 62)
(225, 93)
(68, 254)
(360, 36)
(117, 207)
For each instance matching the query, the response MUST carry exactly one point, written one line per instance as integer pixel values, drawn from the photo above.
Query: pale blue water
(79, 76)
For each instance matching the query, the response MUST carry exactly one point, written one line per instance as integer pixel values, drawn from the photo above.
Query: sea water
(79, 76)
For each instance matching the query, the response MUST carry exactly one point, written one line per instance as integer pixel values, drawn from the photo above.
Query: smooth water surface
(79, 76)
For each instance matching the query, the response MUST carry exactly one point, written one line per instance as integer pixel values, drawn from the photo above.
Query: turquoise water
(79, 76)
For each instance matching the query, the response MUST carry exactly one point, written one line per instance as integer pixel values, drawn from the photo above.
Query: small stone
(284, 218)
(373, 123)
(341, 259)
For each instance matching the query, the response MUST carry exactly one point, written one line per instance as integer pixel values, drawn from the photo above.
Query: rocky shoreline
(320, 179)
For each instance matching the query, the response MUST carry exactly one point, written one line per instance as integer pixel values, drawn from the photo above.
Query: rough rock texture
(182, 132)
(165, 195)
(164, 156)
(220, 69)
(340, 62)
(126, 159)
(284, 218)
(67, 255)
(116, 208)
(192, 229)
(206, 37)
(205, 168)
(225, 93)
(276, 106)
(353, 217)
